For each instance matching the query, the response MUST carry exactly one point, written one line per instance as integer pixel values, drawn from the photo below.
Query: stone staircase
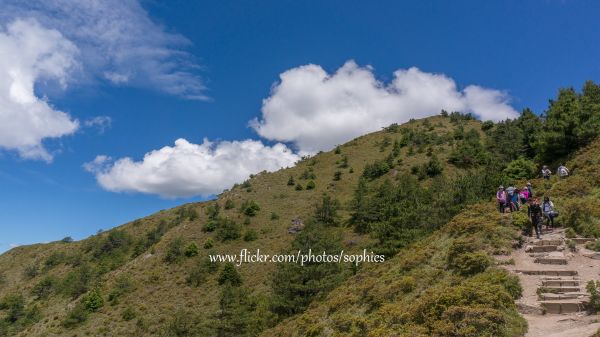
(559, 288)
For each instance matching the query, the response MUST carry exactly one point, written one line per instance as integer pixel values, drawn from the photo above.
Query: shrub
(93, 300)
(174, 251)
(594, 303)
(291, 181)
(228, 230)
(471, 263)
(54, 260)
(191, 249)
(197, 275)
(229, 204)
(14, 304)
(67, 239)
(210, 226)
(299, 187)
(45, 287)
(376, 169)
(310, 185)
(274, 216)
(250, 235)
(570, 233)
(213, 210)
(250, 208)
(337, 175)
(208, 243)
(230, 275)
(338, 150)
(521, 168)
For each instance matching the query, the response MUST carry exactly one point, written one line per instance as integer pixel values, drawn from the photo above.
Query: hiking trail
(554, 282)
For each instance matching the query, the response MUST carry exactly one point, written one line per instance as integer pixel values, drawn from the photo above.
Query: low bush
(230, 275)
(191, 249)
(250, 235)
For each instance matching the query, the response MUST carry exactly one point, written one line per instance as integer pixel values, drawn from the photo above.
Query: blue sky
(195, 70)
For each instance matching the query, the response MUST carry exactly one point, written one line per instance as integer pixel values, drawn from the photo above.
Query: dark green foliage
(338, 150)
(344, 162)
(469, 152)
(430, 169)
(77, 281)
(593, 288)
(229, 204)
(299, 187)
(229, 275)
(14, 305)
(326, 211)
(213, 210)
(210, 226)
(310, 185)
(571, 121)
(208, 243)
(520, 169)
(191, 249)
(239, 314)
(93, 301)
(506, 141)
(174, 251)
(294, 285)
(291, 181)
(487, 125)
(249, 208)
(308, 174)
(186, 213)
(45, 287)
(250, 235)
(54, 260)
(67, 239)
(376, 169)
(228, 230)
(337, 175)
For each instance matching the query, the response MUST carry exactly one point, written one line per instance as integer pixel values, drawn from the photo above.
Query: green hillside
(419, 193)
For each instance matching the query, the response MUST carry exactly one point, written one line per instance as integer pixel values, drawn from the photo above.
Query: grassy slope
(161, 288)
(416, 294)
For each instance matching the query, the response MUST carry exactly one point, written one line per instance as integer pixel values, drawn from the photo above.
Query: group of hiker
(511, 199)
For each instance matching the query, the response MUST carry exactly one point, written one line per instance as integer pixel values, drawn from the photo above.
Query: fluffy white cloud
(188, 169)
(118, 42)
(316, 110)
(30, 53)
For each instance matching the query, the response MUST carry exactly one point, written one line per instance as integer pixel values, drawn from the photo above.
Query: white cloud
(188, 169)
(316, 110)
(29, 54)
(118, 42)
(101, 123)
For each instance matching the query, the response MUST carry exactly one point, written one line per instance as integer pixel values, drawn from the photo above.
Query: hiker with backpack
(529, 190)
(546, 173)
(534, 212)
(563, 171)
(501, 198)
(549, 212)
(514, 200)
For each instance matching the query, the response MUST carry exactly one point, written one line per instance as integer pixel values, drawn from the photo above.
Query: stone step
(548, 272)
(563, 307)
(582, 240)
(550, 260)
(560, 289)
(560, 283)
(565, 278)
(541, 249)
(556, 242)
(563, 296)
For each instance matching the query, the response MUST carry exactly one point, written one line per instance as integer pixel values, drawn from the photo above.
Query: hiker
(501, 198)
(514, 200)
(546, 172)
(549, 212)
(563, 171)
(524, 195)
(534, 212)
(530, 190)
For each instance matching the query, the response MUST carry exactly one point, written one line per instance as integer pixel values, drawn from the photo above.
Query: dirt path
(554, 279)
